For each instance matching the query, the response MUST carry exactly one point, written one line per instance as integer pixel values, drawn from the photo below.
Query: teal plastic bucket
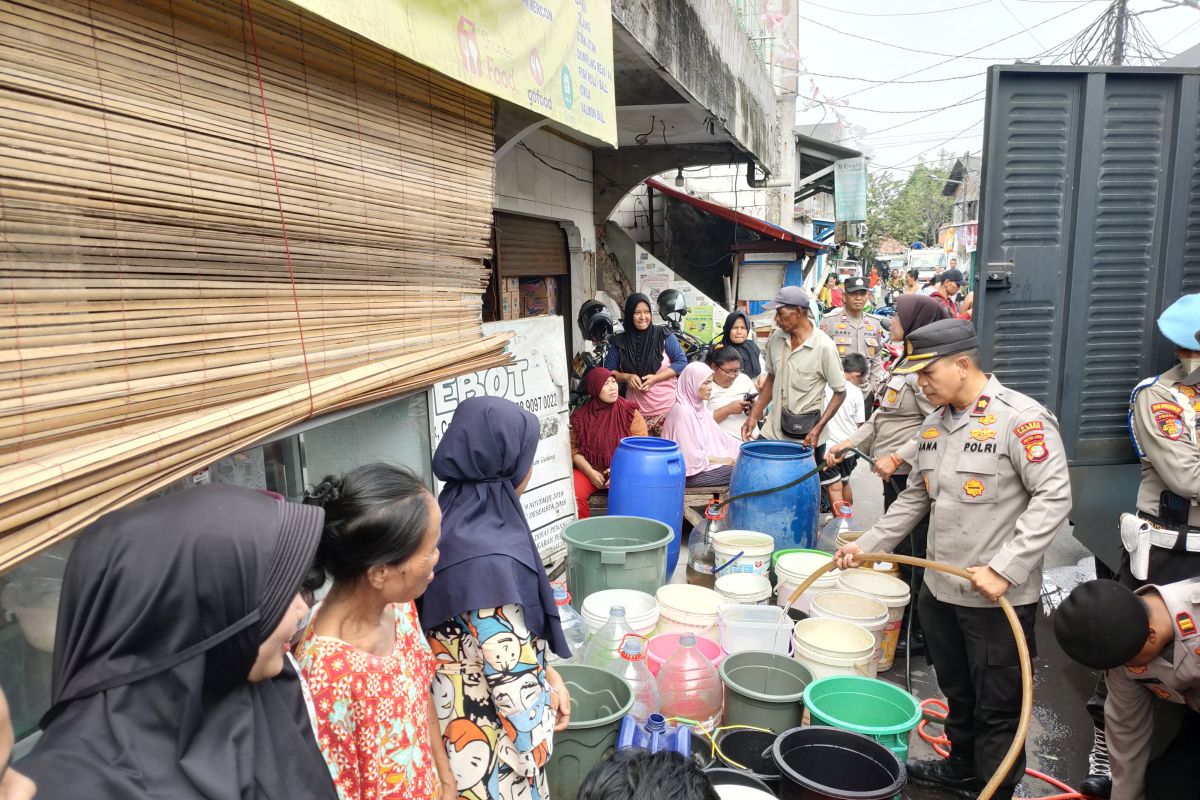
(869, 706)
(599, 699)
(615, 553)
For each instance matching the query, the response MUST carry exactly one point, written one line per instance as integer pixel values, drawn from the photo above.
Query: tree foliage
(909, 209)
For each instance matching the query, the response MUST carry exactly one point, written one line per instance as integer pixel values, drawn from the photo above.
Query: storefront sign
(554, 57)
(538, 383)
(850, 190)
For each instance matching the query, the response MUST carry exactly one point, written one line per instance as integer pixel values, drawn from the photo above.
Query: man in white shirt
(733, 391)
(836, 479)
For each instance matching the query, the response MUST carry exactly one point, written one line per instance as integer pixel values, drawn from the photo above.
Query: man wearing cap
(1149, 643)
(854, 331)
(991, 472)
(948, 289)
(800, 362)
(1162, 541)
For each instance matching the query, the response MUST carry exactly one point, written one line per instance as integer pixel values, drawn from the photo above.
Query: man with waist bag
(1162, 540)
(800, 362)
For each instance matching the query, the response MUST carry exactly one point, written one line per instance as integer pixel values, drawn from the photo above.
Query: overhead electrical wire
(968, 99)
(902, 47)
(875, 110)
(805, 72)
(895, 13)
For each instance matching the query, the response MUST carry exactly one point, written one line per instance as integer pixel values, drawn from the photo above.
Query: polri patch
(1187, 627)
(1035, 448)
(981, 405)
(1169, 425)
(1028, 427)
(930, 433)
(973, 488)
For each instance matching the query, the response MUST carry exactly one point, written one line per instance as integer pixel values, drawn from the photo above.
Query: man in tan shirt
(800, 362)
(992, 473)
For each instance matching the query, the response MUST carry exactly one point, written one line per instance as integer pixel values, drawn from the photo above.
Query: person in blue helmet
(1162, 539)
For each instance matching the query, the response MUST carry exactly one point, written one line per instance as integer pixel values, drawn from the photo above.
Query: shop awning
(773, 232)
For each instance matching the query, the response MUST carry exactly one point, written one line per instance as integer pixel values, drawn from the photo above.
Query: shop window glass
(396, 433)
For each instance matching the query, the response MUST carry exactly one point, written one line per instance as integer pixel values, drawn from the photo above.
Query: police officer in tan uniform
(854, 331)
(1149, 643)
(991, 472)
(1162, 540)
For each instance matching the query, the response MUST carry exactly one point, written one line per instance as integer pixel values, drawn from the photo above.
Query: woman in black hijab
(646, 359)
(737, 334)
(171, 672)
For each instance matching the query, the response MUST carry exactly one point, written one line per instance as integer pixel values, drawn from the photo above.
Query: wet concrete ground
(1060, 734)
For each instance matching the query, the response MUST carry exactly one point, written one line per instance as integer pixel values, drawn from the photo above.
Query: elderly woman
(171, 669)
(597, 427)
(736, 334)
(708, 452)
(490, 612)
(646, 358)
(363, 655)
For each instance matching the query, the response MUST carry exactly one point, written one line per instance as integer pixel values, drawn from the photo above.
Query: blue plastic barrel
(647, 481)
(789, 516)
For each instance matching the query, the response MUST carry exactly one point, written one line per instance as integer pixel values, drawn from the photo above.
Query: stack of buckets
(851, 631)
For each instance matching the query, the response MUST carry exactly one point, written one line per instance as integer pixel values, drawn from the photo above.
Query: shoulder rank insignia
(981, 405)
(891, 396)
(1187, 627)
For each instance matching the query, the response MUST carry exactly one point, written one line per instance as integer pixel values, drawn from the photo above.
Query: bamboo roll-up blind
(217, 218)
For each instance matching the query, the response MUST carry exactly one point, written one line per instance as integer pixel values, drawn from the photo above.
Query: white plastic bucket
(744, 587)
(742, 551)
(861, 609)
(641, 610)
(834, 647)
(885, 567)
(792, 569)
(887, 589)
(684, 608)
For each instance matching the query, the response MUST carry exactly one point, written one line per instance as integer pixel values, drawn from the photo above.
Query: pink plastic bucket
(661, 648)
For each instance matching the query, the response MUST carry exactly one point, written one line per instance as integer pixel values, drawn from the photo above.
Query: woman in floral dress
(363, 656)
(490, 611)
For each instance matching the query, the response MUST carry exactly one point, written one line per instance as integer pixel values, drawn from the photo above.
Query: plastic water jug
(653, 735)
(631, 665)
(573, 627)
(689, 687)
(841, 522)
(605, 645)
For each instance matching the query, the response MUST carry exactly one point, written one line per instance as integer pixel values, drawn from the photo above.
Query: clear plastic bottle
(606, 642)
(633, 668)
(689, 686)
(573, 626)
(841, 522)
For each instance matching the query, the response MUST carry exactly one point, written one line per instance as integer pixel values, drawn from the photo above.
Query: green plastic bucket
(599, 699)
(764, 690)
(615, 553)
(869, 706)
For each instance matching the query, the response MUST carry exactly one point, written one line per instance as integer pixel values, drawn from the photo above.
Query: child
(852, 413)
(638, 775)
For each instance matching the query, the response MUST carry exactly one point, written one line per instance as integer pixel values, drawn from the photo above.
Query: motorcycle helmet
(595, 321)
(672, 301)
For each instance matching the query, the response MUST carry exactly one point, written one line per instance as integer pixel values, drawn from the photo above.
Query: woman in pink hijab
(708, 452)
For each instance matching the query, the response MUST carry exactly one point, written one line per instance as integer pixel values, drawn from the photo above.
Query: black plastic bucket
(753, 750)
(702, 751)
(818, 763)
(719, 776)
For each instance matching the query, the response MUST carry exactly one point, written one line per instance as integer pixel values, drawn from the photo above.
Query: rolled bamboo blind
(217, 218)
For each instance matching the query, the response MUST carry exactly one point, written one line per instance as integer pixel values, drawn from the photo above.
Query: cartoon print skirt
(493, 704)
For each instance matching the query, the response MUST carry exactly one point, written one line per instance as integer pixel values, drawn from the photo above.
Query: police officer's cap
(856, 285)
(942, 338)
(1102, 624)
(1181, 322)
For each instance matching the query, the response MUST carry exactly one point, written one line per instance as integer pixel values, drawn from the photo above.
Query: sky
(951, 28)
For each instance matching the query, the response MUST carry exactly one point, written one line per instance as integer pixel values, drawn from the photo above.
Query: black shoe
(1096, 786)
(946, 774)
(918, 646)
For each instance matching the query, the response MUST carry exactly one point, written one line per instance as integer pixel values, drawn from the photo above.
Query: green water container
(869, 706)
(615, 553)
(764, 690)
(599, 699)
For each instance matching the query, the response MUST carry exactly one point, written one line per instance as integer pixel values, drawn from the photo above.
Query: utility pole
(1118, 47)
